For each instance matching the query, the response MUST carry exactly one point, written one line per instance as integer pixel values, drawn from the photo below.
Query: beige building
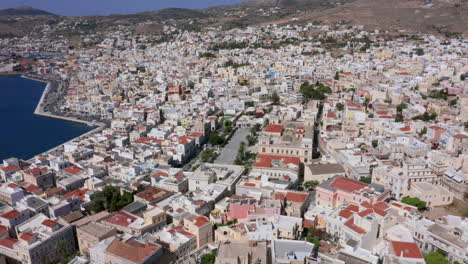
(92, 233)
(201, 227)
(322, 172)
(292, 139)
(433, 195)
(239, 252)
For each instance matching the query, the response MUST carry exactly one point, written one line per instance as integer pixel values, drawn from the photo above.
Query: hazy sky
(105, 7)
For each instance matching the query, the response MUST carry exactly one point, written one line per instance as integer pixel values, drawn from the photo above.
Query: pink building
(338, 190)
(244, 208)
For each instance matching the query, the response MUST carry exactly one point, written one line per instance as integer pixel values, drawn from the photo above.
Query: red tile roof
(73, 170)
(8, 242)
(352, 208)
(160, 174)
(154, 194)
(200, 221)
(347, 185)
(406, 250)
(11, 214)
(10, 168)
(49, 223)
(132, 250)
(121, 219)
(27, 236)
(353, 104)
(350, 224)
(3, 229)
(345, 213)
(265, 161)
(274, 128)
(297, 197)
(80, 193)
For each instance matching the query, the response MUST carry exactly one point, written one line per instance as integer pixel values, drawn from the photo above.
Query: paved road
(229, 152)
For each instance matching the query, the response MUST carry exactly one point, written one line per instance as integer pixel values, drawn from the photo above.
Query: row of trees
(414, 201)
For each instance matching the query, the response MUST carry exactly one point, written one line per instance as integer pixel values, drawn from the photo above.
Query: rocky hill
(444, 17)
(24, 11)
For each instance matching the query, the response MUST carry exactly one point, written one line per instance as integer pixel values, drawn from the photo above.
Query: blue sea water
(22, 133)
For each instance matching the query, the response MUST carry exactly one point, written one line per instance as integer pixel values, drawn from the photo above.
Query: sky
(106, 7)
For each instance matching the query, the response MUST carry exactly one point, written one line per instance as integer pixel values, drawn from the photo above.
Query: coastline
(39, 111)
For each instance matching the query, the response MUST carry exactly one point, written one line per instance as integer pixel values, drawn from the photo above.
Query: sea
(22, 133)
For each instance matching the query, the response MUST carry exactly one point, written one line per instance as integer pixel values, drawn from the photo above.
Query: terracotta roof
(154, 194)
(160, 174)
(132, 250)
(27, 236)
(80, 193)
(406, 250)
(3, 229)
(265, 161)
(352, 208)
(73, 170)
(11, 214)
(10, 168)
(274, 128)
(49, 223)
(353, 104)
(200, 221)
(345, 213)
(297, 197)
(347, 185)
(8, 242)
(460, 136)
(350, 224)
(121, 219)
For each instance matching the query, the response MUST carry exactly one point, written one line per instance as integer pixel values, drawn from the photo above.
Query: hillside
(24, 11)
(442, 17)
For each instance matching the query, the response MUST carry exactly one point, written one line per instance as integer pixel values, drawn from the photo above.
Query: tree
(337, 76)
(310, 184)
(435, 258)
(419, 51)
(367, 180)
(97, 206)
(375, 143)
(453, 102)
(339, 106)
(415, 201)
(208, 258)
(425, 117)
(216, 139)
(423, 131)
(401, 106)
(399, 118)
(275, 99)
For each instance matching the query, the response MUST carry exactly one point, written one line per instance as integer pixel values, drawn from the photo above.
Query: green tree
(339, 106)
(337, 76)
(208, 258)
(435, 258)
(375, 143)
(419, 51)
(311, 184)
(275, 99)
(453, 102)
(414, 201)
(367, 180)
(97, 206)
(399, 118)
(216, 139)
(401, 106)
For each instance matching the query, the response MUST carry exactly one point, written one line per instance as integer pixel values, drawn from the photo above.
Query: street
(229, 152)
